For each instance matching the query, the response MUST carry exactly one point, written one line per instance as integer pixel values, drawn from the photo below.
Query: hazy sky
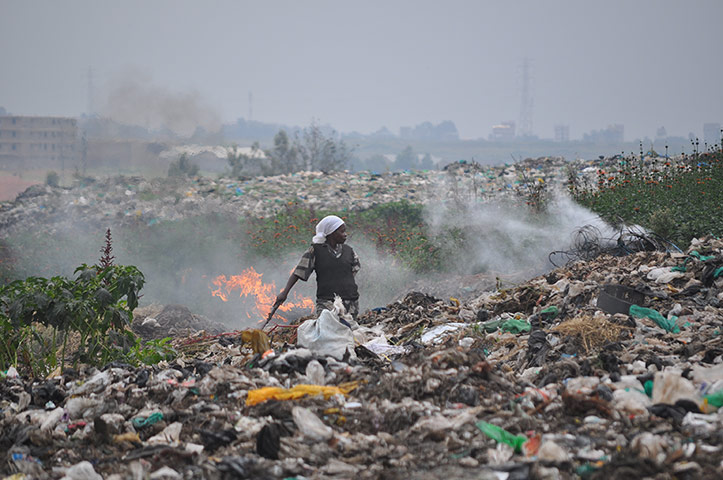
(360, 65)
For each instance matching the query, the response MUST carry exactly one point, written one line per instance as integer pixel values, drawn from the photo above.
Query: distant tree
(241, 163)
(319, 152)
(426, 163)
(406, 160)
(52, 179)
(378, 163)
(284, 157)
(183, 167)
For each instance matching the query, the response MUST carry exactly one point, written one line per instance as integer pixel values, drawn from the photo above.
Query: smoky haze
(359, 66)
(134, 99)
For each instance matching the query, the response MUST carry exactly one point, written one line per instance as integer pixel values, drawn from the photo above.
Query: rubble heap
(133, 200)
(606, 368)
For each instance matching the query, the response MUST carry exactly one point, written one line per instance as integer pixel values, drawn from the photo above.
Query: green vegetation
(85, 320)
(182, 167)
(677, 199)
(52, 179)
(395, 228)
(39, 316)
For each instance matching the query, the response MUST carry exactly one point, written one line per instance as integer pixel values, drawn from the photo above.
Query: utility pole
(251, 105)
(91, 94)
(526, 102)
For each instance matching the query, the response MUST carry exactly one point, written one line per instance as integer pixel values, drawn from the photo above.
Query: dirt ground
(11, 185)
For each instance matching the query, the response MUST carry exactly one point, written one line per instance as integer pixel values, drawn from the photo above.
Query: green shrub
(38, 316)
(182, 167)
(52, 179)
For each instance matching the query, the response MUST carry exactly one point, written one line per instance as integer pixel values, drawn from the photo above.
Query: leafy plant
(151, 352)
(94, 310)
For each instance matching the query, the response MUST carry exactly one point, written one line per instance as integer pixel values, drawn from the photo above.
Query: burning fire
(249, 284)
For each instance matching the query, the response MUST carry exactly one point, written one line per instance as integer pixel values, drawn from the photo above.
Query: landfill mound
(604, 368)
(135, 200)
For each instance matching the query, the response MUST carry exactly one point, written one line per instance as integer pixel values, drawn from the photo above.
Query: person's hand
(281, 298)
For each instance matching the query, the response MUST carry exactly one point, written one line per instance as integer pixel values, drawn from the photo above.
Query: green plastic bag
(654, 315)
(715, 399)
(550, 312)
(140, 422)
(648, 387)
(501, 435)
(514, 325)
(718, 272)
(492, 325)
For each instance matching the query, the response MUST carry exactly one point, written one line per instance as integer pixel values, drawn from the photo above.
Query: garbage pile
(134, 200)
(607, 368)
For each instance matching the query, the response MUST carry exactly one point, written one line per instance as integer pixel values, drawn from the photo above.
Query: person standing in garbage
(335, 263)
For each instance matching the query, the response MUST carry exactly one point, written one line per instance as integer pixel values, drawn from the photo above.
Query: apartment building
(38, 142)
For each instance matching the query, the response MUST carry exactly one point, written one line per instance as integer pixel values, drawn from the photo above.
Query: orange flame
(249, 284)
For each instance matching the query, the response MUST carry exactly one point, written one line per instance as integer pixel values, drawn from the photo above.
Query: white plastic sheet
(326, 336)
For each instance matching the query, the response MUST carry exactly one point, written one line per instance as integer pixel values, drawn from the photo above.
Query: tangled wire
(588, 243)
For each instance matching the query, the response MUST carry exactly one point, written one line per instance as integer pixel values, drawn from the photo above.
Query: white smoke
(505, 237)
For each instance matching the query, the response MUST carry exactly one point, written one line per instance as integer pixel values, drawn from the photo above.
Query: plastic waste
(514, 325)
(664, 274)
(310, 425)
(52, 419)
(95, 384)
(166, 473)
(631, 401)
(549, 313)
(670, 386)
(326, 336)
(666, 324)
(698, 423)
(436, 334)
(648, 445)
(501, 435)
(169, 436)
(551, 452)
(715, 399)
(315, 373)
(500, 455)
(259, 395)
(380, 345)
(268, 441)
(140, 422)
(82, 471)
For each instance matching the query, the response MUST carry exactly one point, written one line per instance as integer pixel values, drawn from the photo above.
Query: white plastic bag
(326, 336)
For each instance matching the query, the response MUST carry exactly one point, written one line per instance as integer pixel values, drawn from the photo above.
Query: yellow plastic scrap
(257, 339)
(259, 395)
(127, 437)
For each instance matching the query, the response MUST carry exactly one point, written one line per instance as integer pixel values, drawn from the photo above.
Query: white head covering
(326, 226)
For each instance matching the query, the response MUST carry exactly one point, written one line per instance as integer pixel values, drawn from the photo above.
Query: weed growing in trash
(677, 198)
(39, 316)
(150, 353)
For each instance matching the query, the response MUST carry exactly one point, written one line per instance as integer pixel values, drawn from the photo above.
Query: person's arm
(356, 264)
(301, 272)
